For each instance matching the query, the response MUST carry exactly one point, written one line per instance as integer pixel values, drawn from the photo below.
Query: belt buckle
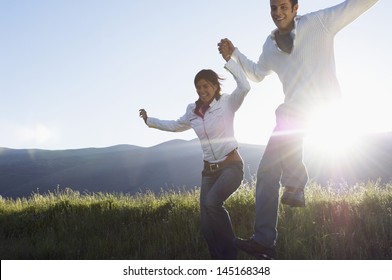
(213, 167)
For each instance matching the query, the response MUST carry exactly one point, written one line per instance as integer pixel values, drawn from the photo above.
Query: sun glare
(333, 131)
(39, 134)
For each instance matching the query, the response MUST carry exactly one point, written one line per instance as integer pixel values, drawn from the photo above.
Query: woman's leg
(217, 227)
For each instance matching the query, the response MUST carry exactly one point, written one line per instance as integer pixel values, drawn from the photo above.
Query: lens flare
(333, 131)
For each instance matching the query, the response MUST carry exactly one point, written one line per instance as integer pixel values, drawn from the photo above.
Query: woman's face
(206, 90)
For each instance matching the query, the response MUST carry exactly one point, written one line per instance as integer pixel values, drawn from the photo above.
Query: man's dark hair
(294, 2)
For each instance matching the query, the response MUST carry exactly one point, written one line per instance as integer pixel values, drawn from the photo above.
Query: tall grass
(339, 222)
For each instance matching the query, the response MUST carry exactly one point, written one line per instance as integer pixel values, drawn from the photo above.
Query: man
(300, 51)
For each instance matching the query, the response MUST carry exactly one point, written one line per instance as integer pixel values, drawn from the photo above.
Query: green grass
(339, 222)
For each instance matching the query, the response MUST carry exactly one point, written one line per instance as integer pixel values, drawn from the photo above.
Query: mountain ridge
(175, 164)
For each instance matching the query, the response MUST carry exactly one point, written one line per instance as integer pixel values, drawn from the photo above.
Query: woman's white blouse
(215, 131)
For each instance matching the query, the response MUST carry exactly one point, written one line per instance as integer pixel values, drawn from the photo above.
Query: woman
(211, 117)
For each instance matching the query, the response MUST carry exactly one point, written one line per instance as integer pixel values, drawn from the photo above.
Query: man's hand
(143, 114)
(226, 48)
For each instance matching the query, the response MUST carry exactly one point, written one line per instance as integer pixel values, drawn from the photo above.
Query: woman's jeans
(216, 225)
(282, 163)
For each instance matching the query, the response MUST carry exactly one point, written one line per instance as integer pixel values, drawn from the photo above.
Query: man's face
(283, 14)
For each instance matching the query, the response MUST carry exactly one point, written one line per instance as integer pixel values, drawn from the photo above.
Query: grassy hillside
(339, 222)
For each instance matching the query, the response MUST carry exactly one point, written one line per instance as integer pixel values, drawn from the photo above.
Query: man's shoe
(294, 197)
(255, 249)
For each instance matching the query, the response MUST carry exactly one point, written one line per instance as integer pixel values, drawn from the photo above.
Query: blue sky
(73, 73)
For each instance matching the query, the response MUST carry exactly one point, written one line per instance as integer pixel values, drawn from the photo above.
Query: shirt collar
(199, 104)
(213, 102)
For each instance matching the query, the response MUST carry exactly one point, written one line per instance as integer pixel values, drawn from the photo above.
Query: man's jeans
(215, 220)
(282, 163)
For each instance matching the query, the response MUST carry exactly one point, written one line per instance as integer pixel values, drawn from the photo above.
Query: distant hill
(123, 168)
(170, 165)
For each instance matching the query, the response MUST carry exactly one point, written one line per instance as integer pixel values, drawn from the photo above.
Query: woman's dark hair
(212, 77)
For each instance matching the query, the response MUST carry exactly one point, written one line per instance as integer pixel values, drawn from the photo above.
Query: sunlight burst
(39, 133)
(333, 131)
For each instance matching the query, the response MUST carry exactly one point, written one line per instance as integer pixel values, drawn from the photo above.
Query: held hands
(143, 114)
(226, 48)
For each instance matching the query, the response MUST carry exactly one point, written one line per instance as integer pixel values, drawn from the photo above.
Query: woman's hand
(143, 114)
